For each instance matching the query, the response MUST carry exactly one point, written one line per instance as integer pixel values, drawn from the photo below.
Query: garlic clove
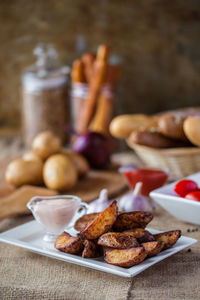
(100, 203)
(134, 200)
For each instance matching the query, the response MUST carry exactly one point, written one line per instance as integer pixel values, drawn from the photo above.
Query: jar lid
(47, 72)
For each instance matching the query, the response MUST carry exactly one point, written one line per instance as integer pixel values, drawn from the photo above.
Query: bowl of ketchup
(151, 178)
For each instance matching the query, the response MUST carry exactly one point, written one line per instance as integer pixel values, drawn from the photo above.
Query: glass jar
(78, 96)
(45, 95)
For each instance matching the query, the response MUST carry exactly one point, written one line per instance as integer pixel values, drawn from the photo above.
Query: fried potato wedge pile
(121, 237)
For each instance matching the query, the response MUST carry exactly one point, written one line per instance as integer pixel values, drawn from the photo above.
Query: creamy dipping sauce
(55, 214)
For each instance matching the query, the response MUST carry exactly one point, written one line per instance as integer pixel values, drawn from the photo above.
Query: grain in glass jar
(45, 95)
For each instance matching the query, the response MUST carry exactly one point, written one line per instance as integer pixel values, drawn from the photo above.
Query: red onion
(95, 147)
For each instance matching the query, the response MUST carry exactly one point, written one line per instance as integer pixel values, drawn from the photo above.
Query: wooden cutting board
(87, 189)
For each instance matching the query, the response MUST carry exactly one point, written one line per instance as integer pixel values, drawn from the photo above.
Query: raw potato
(59, 173)
(192, 129)
(125, 257)
(171, 125)
(169, 238)
(31, 156)
(102, 223)
(117, 240)
(79, 161)
(153, 248)
(122, 126)
(46, 143)
(141, 235)
(130, 220)
(20, 172)
(90, 249)
(84, 221)
(69, 244)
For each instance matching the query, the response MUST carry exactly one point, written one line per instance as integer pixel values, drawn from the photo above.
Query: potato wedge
(69, 244)
(102, 223)
(169, 238)
(141, 234)
(125, 257)
(84, 221)
(153, 248)
(117, 240)
(90, 249)
(132, 220)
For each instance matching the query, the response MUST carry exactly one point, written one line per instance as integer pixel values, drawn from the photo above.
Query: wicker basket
(180, 162)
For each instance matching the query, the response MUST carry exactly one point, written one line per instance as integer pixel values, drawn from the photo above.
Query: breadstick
(103, 52)
(88, 61)
(78, 90)
(103, 114)
(104, 111)
(77, 73)
(98, 77)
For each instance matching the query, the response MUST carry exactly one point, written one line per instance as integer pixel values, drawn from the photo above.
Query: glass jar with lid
(45, 95)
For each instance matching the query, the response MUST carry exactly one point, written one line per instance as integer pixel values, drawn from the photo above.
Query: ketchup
(151, 179)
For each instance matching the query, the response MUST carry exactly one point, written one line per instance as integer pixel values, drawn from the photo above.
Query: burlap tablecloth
(24, 275)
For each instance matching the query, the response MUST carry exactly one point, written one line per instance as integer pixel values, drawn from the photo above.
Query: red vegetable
(95, 147)
(185, 186)
(151, 179)
(193, 196)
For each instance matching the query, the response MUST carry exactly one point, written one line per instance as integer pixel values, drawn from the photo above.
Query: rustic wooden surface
(87, 188)
(14, 204)
(12, 147)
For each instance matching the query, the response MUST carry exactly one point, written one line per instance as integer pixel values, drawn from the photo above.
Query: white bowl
(181, 208)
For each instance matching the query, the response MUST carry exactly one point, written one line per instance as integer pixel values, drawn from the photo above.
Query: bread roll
(171, 125)
(191, 128)
(122, 126)
(153, 139)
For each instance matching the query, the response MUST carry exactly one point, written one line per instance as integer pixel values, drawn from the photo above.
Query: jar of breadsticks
(45, 95)
(79, 91)
(94, 80)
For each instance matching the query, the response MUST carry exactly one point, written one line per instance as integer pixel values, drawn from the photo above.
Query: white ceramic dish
(181, 208)
(29, 236)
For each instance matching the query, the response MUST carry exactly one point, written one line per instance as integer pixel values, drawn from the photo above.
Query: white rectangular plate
(29, 236)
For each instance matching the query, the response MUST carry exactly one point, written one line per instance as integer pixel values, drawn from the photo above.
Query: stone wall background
(157, 40)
